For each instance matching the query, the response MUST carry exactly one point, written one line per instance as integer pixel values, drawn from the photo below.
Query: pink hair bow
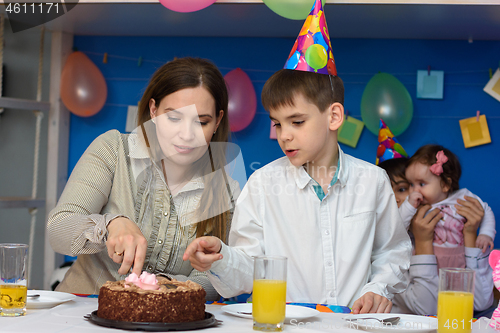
(437, 168)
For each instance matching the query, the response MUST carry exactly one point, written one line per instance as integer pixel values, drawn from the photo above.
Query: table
(68, 317)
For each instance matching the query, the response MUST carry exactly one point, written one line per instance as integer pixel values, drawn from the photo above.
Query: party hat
(388, 146)
(312, 51)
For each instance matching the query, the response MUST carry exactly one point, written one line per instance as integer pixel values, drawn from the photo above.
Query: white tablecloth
(68, 317)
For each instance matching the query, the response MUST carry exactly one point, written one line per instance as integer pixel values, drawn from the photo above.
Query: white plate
(407, 323)
(292, 311)
(47, 299)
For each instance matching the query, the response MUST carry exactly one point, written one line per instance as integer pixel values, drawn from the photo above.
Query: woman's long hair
(185, 73)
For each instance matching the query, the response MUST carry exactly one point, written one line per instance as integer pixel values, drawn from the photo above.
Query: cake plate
(153, 327)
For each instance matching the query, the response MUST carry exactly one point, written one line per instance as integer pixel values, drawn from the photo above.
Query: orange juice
(12, 298)
(454, 312)
(269, 301)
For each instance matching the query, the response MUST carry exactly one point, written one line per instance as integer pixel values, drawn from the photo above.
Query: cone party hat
(312, 51)
(388, 147)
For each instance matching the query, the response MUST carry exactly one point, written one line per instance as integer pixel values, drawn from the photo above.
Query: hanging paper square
(430, 84)
(350, 131)
(493, 86)
(272, 133)
(474, 132)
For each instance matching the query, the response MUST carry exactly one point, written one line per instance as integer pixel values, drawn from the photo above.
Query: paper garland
(475, 132)
(493, 86)
(430, 84)
(350, 131)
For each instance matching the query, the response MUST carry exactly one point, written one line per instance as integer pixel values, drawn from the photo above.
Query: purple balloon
(242, 99)
(186, 6)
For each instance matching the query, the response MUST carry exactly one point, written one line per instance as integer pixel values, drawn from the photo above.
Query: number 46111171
(455, 324)
(32, 8)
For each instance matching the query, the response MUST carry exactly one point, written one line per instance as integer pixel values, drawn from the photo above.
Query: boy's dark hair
(451, 169)
(282, 87)
(395, 167)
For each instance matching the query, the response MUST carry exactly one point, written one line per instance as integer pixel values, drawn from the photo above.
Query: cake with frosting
(150, 298)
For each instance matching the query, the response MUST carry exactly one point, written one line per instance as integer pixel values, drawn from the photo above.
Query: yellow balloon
(305, 27)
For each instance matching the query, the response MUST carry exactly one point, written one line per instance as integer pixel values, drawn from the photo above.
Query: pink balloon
(186, 6)
(242, 99)
(83, 88)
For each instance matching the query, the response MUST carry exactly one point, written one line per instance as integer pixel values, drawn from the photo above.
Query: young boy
(332, 215)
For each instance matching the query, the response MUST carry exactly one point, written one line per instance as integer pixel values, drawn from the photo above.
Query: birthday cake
(151, 299)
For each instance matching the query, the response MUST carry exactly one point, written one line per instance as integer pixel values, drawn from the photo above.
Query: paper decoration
(350, 131)
(430, 84)
(272, 133)
(474, 132)
(493, 86)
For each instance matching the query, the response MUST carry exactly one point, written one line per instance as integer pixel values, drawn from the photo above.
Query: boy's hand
(415, 198)
(126, 245)
(372, 303)
(483, 242)
(203, 252)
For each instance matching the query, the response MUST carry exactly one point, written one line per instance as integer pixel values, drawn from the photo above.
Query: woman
(136, 201)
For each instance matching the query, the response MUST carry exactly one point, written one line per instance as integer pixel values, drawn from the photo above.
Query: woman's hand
(422, 226)
(371, 303)
(126, 245)
(471, 209)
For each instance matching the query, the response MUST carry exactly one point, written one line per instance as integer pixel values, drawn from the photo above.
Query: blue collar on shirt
(319, 190)
(302, 178)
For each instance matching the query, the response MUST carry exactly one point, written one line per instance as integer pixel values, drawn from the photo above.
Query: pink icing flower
(146, 281)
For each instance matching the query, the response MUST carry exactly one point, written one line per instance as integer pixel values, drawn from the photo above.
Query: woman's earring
(153, 120)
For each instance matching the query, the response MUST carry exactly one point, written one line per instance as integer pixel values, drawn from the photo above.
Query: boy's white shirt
(350, 243)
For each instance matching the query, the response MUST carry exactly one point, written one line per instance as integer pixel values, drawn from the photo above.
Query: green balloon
(316, 56)
(292, 9)
(385, 97)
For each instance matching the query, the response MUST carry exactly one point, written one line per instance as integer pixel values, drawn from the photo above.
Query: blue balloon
(319, 39)
(293, 61)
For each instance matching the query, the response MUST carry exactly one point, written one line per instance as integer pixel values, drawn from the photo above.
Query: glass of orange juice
(455, 300)
(269, 293)
(13, 281)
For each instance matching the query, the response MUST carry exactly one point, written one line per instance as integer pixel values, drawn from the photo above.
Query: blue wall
(435, 121)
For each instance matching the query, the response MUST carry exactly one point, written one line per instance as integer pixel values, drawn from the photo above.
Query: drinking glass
(269, 293)
(13, 279)
(455, 300)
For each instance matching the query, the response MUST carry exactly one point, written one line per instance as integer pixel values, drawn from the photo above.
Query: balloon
(302, 65)
(291, 9)
(319, 39)
(242, 99)
(293, 61)
(304, 43)
(316, 56)
(83, 88)
(186, 6)
(387, 98)
(305, 27)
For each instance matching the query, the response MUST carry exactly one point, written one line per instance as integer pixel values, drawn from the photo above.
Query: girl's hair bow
(437, 168)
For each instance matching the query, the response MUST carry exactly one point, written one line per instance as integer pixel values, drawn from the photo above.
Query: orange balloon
(83, 88)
